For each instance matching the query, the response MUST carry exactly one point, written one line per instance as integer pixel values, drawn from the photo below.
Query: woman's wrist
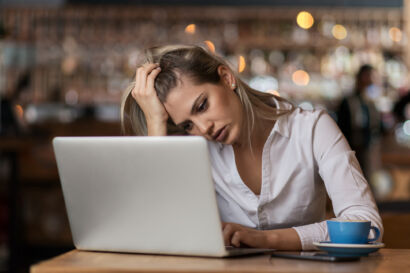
(284, 239)
(157, 127)
(272, 239)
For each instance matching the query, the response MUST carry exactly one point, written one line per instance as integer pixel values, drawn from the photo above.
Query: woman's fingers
(228, 230)
(236, 239)
(147, 70)
(237, 235)
(151, 77)
(244, 238)
(141, 76)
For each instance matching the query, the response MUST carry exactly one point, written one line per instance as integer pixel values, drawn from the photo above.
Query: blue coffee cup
(351, 231)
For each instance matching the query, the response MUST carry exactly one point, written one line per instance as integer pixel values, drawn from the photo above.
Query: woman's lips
(221, 134)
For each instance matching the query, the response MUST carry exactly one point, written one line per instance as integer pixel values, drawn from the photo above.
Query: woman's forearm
(284, 239)
(157, 128)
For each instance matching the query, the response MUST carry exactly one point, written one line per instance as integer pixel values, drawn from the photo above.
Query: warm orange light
(210, 46)
(305, 19)
(69, 65)
(395, 34)
(273, 92)
(300, 77)
(190, 29)
(339, 32)
(242, 64)
(276, 93)
(19, 110)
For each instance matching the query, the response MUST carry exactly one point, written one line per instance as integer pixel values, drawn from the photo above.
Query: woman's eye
(203, 105)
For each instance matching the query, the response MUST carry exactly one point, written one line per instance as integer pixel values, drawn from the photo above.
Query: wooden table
(386, 260)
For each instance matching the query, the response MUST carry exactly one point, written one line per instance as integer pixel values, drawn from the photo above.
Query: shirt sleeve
(345, 184)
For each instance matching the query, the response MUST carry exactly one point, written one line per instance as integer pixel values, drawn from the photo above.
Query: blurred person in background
(359, 119)
(266, 155)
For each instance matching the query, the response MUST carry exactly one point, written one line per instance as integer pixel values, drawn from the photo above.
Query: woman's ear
(227, 77)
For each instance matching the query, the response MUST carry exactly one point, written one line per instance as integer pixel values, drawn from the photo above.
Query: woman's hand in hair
(145, 95)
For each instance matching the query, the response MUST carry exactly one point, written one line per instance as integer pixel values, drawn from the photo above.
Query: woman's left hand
(238, 235)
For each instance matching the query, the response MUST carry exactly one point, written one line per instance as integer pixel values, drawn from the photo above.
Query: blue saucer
(348, 249)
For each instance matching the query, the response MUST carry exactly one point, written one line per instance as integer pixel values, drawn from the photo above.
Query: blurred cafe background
(64, 64)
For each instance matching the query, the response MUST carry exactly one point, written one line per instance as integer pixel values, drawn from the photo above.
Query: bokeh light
(19, 110)
(306, 105)
(274, 92)
(395, 34)
(71, 97)
(210, 46)
(300, 77)
(69, 65)
(406, 127)
(339, 32)
(264, 83)
(241, 64)
(190, 29)
(305, 20)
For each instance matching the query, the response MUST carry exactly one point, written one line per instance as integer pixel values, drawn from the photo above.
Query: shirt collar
(282, 126)
(282, 122)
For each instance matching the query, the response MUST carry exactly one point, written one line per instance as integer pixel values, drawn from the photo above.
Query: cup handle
(377, 234)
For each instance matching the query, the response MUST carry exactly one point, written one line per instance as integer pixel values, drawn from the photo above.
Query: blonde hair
(200, 66)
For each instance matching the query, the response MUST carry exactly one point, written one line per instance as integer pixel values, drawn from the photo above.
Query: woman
(267, 156)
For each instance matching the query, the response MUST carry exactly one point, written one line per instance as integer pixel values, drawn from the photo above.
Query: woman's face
(213, 111)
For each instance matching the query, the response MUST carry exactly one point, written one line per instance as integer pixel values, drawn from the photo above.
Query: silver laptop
(141, 194)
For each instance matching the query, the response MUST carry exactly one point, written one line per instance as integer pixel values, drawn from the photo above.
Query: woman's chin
(232, 139)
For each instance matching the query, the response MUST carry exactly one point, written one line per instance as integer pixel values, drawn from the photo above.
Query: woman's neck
(261, 132)
(259, 135)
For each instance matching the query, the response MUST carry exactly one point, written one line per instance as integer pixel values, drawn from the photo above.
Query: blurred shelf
(397, 158)
(356, 14)
(396, 229)
(394, 206)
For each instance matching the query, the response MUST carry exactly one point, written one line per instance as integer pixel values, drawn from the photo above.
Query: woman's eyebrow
(193, 109)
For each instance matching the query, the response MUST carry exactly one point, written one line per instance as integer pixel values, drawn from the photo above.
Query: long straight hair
(201, 67)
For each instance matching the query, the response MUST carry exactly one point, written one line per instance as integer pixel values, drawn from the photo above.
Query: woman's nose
(204, 127)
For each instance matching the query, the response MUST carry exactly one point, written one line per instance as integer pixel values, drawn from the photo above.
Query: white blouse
(305, 156)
